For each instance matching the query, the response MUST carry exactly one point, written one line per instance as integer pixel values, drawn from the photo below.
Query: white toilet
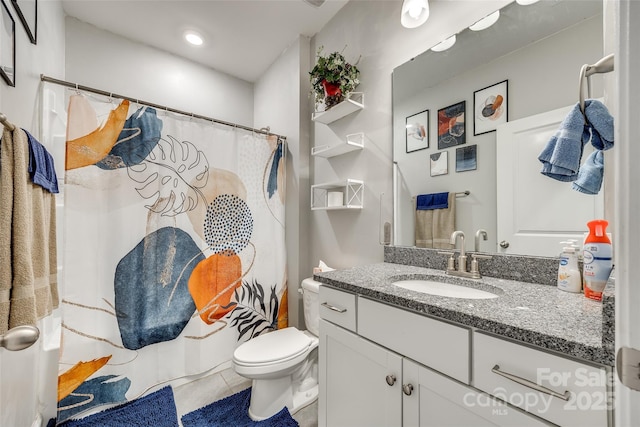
(283, 364)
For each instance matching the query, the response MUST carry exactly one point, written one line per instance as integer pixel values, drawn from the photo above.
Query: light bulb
(444, 45)
(193, 38)
(486, 22)
(414, 13)
(414, 10)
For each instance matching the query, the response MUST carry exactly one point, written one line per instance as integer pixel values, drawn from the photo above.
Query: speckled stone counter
(536, 314)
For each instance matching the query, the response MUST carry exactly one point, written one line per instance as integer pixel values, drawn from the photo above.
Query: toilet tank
(310, 304)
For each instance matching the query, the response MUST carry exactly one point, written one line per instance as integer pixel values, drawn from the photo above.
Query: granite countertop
(540, 315)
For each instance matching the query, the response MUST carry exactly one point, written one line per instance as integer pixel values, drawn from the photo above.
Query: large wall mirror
(531, 57)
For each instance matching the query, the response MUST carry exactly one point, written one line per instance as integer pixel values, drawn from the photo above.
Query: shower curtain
(174, 248)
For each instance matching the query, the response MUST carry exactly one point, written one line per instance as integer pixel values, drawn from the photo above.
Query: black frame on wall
(28, 13)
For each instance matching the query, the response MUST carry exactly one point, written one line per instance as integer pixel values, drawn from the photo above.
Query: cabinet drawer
(563, 391)
(438, 345)
(338, 307)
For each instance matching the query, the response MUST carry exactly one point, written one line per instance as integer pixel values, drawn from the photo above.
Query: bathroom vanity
(390, 356)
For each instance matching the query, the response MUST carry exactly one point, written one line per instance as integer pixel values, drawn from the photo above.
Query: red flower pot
(331, 89)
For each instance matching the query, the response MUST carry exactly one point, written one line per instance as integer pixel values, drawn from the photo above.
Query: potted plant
(332, 79)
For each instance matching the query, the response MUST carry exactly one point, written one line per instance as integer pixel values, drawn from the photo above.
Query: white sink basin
(444, 289)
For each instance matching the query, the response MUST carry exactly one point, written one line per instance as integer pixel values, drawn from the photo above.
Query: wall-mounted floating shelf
(348, 194)
(352, 142)
(350, 105)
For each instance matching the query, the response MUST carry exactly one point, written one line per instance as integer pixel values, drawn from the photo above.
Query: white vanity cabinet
(376, 374)
(359, 381)
(561, 390)
(439, 401)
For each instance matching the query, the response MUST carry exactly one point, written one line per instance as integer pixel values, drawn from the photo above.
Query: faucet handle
(475, 270)
(451, 262)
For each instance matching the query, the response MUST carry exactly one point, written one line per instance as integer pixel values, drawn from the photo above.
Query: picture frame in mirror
(417, 131)
(467, 158)
(490, 107)
(451, 125)
(439, 163)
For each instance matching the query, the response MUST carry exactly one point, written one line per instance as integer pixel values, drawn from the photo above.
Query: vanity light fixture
(526, 2)
(486, 22)
(444, 45)
(193, 38)
(414, 13)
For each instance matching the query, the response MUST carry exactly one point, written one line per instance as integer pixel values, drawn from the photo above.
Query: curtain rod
(157, 106)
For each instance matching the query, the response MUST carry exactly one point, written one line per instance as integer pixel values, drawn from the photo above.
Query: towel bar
(458, 194)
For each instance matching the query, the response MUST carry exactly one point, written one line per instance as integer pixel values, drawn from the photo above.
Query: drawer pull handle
(334, 308)
(530, 384)
(407, 389)
(391, 379)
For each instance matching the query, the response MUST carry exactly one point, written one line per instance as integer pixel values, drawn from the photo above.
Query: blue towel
(41, 167)
(600, 123)
(561, 156)
(426, 202)
(591, 174)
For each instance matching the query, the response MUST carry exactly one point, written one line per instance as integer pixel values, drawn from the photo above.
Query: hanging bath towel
(28, 257)
(435, 220)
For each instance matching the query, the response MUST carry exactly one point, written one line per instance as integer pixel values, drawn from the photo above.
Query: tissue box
(335, 198)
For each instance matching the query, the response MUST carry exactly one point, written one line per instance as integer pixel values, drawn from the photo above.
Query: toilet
(283, 364)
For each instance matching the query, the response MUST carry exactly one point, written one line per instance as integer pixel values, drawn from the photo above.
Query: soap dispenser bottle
(568, 272)
(598, 262)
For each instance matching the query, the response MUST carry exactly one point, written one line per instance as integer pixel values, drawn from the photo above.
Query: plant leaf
(171, 177)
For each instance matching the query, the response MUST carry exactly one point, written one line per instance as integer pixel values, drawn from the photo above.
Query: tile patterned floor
(206, 390)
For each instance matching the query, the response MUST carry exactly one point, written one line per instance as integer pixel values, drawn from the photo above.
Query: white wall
(282, 102)
(20, 103)
(373, 30)
(28, 378)
(103, 60)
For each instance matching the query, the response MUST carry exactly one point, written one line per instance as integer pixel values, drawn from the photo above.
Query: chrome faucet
(462, 258)
(479, 233)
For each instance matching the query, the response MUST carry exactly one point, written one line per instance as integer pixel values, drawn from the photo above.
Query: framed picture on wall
(28, 13)
(451, 126)
(417, 131)
(439, 163)
(467, 158)
(490, 108)
(7, 46)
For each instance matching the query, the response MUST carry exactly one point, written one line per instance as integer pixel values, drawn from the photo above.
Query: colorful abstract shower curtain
(174, 248)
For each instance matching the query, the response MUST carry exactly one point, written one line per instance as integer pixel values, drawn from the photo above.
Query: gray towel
(433, 227)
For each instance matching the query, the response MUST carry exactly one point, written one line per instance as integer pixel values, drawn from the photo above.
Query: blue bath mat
(232, 411)
(157, 409)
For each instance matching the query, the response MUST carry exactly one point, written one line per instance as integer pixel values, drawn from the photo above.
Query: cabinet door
(438, 401)
(353, 381)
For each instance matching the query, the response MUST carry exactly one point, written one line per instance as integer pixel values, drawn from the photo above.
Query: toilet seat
(273, 348)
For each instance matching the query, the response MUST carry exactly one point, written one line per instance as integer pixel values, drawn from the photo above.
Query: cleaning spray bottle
(597, 259)
(568, 272)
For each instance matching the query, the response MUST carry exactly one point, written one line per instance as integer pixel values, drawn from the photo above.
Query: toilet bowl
(283, 364)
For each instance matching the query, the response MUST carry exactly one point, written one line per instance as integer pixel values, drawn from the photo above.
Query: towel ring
(583, 77)
(605, 65)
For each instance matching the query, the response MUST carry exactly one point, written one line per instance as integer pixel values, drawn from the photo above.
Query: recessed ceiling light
(444, 45)
(526, 2)
(193, 38)
(486, 22)
(414, 13)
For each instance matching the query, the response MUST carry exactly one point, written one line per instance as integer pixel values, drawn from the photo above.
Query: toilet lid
(273, 346)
